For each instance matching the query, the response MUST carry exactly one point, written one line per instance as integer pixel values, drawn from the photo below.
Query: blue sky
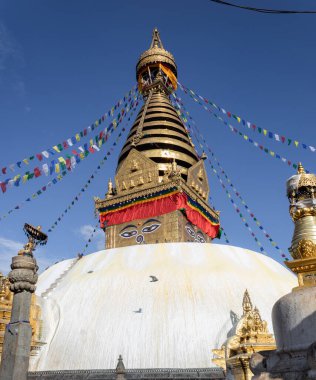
(63, 64)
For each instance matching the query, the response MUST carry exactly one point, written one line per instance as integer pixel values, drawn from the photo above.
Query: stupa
(161, 295)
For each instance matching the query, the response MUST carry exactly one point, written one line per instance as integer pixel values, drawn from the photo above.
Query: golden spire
(156, 67)
(156, 41)
(300, 169)
(246, 303)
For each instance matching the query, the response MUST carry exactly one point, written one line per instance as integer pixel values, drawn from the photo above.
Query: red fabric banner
(159, 207)
(145, 210)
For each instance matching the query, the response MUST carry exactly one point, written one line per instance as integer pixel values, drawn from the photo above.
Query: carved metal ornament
(35, 236)
(304, 250)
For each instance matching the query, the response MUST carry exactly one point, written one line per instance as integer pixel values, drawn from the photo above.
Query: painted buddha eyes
(151, 228)
(148, 227)
(190, 230)
(197, 236)
(128, 234)
(200, 238)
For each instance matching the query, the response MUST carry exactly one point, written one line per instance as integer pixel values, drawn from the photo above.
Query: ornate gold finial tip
(246, 302)
(300, 169)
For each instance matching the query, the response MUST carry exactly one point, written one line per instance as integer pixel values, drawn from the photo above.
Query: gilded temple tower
(301, 191)
(161, 187)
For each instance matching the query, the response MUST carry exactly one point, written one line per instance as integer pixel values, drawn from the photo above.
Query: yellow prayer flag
(245, 137)
(26, 161)
(24, 179)
(296, 143)
(62, 160)
(239, 119)
(91, 142)
(265, 132)
(272, 153)
(56, 148)
(57, 168)
(77, 137)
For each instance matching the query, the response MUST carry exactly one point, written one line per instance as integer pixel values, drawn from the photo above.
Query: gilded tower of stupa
(161, 187)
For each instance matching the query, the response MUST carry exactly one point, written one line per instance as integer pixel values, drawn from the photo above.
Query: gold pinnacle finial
(246, 302)
(110, 192)
(300, 169)
(156, 41)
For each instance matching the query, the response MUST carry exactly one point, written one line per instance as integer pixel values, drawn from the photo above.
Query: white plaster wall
(50, 275)
(90, 317)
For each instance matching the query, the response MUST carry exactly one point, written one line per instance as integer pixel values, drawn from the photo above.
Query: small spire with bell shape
(120, 368)
(300, 169)
(246, 303)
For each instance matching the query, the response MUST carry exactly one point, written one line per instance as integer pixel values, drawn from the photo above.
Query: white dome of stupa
(160, 306)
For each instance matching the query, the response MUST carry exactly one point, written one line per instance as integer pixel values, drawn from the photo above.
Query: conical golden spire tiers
(160, 135)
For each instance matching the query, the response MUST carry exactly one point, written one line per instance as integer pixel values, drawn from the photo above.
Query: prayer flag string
(90, 239)
(62, 163)
(58, 178)
(69, 142)
(245, 137)
(257, 222)
(265, 132)
(88, 182)
(222, 228)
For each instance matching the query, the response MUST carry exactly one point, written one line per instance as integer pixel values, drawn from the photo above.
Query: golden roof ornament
(300, 169)
(110, 192)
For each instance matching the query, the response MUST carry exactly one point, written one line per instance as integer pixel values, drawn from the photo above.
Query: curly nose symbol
(139, 239)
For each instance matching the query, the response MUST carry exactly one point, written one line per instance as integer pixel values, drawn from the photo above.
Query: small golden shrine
(6, 297)
(161, 188)
(249, 335)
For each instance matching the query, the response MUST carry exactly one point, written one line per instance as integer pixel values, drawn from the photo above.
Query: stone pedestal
(18, 334)
(294, 324)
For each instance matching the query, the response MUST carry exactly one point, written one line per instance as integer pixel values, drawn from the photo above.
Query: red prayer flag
(39, 156)
(3, 187)
(37, 172)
